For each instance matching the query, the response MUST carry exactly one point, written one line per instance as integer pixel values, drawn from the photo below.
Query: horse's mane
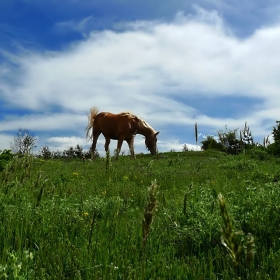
(126, 113)
(142, 123)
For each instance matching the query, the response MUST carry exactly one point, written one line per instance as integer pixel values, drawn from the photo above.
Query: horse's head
(151, 143)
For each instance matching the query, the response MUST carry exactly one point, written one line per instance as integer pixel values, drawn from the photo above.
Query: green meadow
(187, 215)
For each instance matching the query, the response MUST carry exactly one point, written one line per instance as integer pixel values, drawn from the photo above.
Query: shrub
(211, 144)
(5, 157)
(259, 153)
(45, 152)
(228, 138)
(274, 148)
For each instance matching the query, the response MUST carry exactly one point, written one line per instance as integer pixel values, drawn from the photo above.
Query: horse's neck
(145, 131)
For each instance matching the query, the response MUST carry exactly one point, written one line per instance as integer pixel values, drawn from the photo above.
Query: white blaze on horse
(122, 126)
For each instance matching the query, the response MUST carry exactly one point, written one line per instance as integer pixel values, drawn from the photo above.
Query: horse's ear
(156, 133)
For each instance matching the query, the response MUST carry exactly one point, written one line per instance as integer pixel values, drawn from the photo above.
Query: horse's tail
(93, 112)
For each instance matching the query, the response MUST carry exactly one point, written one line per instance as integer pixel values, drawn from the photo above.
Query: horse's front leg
(130, 143)
(107, 143)
(120, 141)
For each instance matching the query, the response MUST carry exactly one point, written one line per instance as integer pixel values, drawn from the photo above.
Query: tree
(211, 143)
(228, 138)
(57, 154)
(45, 152)
(79, 151)
(246, 138)
(23, 143)
(70, 153)
(276, 132)
(185, 148)
(274, 148)
(88, 154)
(5, 157)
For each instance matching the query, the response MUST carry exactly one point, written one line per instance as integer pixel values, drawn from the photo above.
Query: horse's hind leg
(93, 147)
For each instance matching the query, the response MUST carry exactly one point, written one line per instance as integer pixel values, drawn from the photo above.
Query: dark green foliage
(88, 154)
(276, 131)
(5, 157)
(229, 139)
(45, 152)
(274, 148)
(70, 153)
(76, 152)
(79, 151)
(259, 153)
(211, 144)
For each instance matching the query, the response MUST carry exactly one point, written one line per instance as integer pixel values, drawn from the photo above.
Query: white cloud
(44, 122)
(175, 145)
(83, 26)
(143, 70)
(5, 141)
(64, 143)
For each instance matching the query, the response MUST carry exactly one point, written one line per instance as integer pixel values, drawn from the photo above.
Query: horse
(122, 126)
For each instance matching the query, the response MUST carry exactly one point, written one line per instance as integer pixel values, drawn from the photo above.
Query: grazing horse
(122, 126)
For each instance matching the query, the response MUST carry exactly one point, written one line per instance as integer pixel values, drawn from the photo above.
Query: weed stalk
(149, 212)
(229, 238)
(107, 161)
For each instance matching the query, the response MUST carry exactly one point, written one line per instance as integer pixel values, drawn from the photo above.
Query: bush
(5, 157)
(211, 144)
(45, 152)
(228, 138)
(259, 153)
(274, 148)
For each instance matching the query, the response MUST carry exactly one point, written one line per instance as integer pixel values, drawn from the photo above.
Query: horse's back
(106, 117)
(112, 125)
(114, 118)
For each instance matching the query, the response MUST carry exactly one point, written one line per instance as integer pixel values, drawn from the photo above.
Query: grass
(207, 216)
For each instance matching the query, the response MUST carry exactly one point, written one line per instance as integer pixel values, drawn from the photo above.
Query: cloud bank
(161, 71)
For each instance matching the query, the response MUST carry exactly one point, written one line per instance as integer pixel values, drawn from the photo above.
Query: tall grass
(67, 219)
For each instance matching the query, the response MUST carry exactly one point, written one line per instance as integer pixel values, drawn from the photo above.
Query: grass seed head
(149, 211)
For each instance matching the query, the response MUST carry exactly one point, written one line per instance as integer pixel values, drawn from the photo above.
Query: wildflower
(75, 174)
(85, 214)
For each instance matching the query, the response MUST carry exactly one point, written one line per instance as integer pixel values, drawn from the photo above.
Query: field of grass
(190, 215)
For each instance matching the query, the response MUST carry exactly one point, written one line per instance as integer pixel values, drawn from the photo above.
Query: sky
(172, 63)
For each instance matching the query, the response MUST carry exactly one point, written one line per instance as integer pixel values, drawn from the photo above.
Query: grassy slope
(65, 219)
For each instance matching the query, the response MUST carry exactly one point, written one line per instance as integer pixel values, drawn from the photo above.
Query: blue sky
(172, 63)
